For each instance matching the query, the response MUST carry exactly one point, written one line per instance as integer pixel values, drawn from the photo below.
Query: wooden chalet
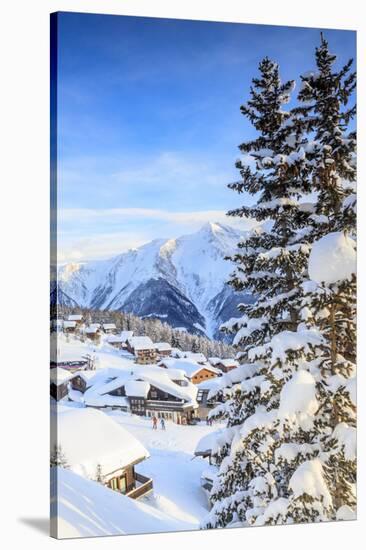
(59, 380)
(93, 333)
(77, 319)
(116, 341)
(80, 381)
(226, 365)
(143, 349)
(150, 400)
(98, 448)
(69, 327)
(109, 328)
(145, 392)
(163, 349)
(195, 372)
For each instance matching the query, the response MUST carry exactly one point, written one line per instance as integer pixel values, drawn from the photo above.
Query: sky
(149, 122)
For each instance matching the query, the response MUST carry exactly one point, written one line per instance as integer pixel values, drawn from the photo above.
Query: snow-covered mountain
(181, 281)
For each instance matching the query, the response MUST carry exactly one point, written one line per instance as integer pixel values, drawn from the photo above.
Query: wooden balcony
(144, 486)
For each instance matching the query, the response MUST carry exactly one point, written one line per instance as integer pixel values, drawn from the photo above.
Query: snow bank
(332, 258)
(85, 508)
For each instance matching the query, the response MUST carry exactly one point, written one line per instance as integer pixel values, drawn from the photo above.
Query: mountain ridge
(182, 280)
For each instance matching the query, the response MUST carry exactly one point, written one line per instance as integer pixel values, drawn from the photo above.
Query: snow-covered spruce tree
(330, 294)
(317, 409)
(324, 98)
(58, 457)
(99, 473)
(270, 264)
(293, 460)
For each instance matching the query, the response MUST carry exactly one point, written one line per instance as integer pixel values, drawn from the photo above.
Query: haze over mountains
(181, 281)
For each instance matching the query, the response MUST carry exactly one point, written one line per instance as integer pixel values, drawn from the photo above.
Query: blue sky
(149, 122)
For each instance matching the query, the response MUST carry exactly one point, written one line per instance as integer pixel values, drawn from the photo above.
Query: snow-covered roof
(74, 317)
(163, 346)
(214, 441)
(84, 508)
(59, 376)
(214, 360)
(126, 334)
(198, 357)
(190, 368)
(176, 374)
(89, 438)
(91, 330)
(140, 342)
(94, 325)
(86, 375)
(229, 362)
(109, 326)
(206, 443)
(137, 388)
(210, 384)
(113, 339)
(69, 324)
(65, 349)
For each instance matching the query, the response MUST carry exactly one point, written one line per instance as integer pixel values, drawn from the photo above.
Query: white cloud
(115, 215)
(96, 247)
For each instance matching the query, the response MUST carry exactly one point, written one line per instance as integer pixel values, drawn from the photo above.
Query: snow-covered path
(172, 466)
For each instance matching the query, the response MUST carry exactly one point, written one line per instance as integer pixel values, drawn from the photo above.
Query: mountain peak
(212, 228)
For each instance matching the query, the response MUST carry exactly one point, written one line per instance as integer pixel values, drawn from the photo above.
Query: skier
(162, 424)
(155, 422)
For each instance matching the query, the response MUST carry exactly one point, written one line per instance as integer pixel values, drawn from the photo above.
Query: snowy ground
(172, 466)
(178, 502)
(178, 499)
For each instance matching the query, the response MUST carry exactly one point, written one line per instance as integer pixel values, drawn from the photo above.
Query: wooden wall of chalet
(156, 394)
(78, 383)
(58, 392)
(203, 374)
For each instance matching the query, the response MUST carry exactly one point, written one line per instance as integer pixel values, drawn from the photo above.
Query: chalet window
(138, 405)
(154, 394)
(199, 396)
